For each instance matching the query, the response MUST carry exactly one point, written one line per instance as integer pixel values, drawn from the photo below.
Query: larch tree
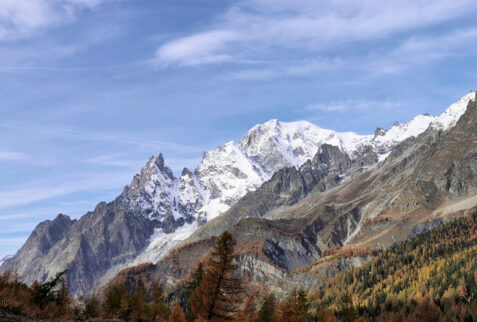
(159, 308)
(177, 315)
(218, 295)
(295, 307)
(190, 287)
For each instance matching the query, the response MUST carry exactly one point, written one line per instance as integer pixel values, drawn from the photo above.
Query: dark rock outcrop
(87, 247)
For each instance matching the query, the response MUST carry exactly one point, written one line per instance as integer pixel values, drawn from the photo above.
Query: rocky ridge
(276, 162)
(403, 196)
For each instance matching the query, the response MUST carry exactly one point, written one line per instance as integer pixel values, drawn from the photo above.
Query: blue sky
(90, 89)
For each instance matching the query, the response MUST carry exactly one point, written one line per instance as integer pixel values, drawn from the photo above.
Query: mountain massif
(289, 192)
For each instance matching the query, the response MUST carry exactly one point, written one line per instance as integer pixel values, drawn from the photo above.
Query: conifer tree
(248, 312)
(295, 307)
(426, 309)
(91, 309)
(160, 310)
(267, 311)
(116, 302)
(347, 311)
(190, 287)
(48, 292)
(138, 305)
(218, 295)
(177, 315)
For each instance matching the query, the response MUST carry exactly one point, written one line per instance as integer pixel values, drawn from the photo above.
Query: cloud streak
(424, 50)
(263, 26)
(205, 48)
(24, 18)
(279, 69)
(362, 104)
(114, 160)
(121, 138)
(32, 192)
(12, 156)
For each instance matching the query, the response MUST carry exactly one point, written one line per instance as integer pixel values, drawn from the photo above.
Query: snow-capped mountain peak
(227, 173)
(230, 171)
(159, 210)
(452, 114)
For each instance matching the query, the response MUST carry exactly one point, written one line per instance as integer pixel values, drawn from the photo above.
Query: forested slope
(429, 277)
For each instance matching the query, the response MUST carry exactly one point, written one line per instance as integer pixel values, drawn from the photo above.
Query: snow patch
(161, 243)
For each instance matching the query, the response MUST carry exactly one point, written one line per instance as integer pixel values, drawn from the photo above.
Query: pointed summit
(186, 172)
(156, 164)
(157, 161)
(379, 132)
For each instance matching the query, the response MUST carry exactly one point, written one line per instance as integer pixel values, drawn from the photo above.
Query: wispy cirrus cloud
(24, 18)
(205, 48)
(12, 242)
(278, 69)
(253, 28)
(423, 50)
(362, 104)
(12, 156)
(115, 160)
(31, 192)
(115, 137)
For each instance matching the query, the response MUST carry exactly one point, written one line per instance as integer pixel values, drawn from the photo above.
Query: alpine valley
(292, 194)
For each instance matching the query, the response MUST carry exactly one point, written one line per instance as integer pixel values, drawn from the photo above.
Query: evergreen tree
(160, 311)
(48, 292)
(138, 305)
(190, 287)
(116, 302)
(267, 311)
(295, 307)
(347, 312)
(218, 295)
(427, 310)
(92, 309)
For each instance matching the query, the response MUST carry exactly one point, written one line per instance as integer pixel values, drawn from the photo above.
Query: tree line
(432, 277)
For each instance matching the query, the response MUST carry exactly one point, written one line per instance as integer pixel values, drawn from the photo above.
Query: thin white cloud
(304, 67)
(38, 213)
(423, 50)
(257, 26)
(18, 227)
(14, 241)
(362, 104)
(205, 48)
(115, 160)
(34, 191)
(121, 138)
(12, 156)
(24, 18)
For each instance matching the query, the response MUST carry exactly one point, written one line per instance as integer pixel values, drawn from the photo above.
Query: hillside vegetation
(430, 277)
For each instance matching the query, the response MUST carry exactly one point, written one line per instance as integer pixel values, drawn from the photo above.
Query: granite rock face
(87, 247)
(45, 235)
